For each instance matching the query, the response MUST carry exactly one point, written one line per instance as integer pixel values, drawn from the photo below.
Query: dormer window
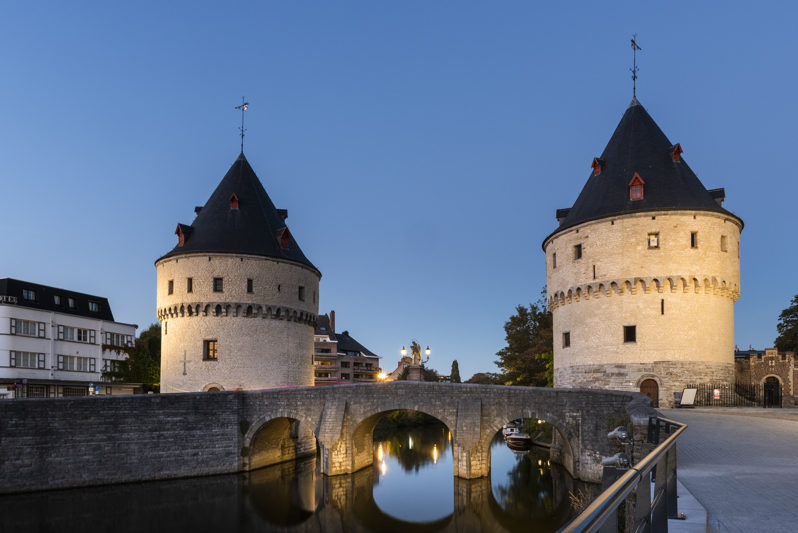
(285, 239)
(597, 165)
(676, 152)
(233, 201)
(182, 231)
(636, 187)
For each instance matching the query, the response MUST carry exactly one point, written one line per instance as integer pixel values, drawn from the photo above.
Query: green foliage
(787, 341)
(143, 364)
(454, 376)
(528, 357)
(486, 378)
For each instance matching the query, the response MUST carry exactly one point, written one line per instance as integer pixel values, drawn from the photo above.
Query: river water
(410, 488)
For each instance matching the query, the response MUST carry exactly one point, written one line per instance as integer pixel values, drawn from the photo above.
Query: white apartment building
(56, 342)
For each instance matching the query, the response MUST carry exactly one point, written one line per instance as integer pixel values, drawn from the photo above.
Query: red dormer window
(676, 152)
(285, 239)
(597, 165)
(636, 187)
(233, 201)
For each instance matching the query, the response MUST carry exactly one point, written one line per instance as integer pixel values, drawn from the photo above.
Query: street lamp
(403, 351)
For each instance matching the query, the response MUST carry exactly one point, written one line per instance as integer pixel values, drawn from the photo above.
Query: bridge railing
(634, 488)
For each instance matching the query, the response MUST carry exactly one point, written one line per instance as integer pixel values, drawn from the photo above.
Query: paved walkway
(742, 466)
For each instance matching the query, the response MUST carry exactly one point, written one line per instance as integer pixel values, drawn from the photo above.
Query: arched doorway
(650, 388)
(772, 392)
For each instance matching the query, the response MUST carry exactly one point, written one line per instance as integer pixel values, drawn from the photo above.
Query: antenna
(634, 68)
(243, 107)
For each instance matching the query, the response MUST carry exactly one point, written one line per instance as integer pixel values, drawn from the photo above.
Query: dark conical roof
(240, 218)
(639, 146)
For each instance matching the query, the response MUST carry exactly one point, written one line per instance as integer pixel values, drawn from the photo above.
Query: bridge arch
(276, 437)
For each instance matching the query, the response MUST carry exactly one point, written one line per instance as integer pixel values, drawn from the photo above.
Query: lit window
(636, 188)
(218, 284)
(566, 339)
(653, 240)
(171, 289)
(210, 350)
(630, 334)
(578, 251)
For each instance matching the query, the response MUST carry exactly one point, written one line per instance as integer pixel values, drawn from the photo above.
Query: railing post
(670, 488)
(642, 506)
(609, 475)
(659, 512)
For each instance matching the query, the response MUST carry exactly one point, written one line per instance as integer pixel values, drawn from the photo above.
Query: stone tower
(237, 299)
(643, 271)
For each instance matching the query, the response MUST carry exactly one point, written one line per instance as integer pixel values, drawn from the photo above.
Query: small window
(57, 300)
(218, 284)
(71, 303)
(724, 247)
(301, 293)
(554, 260)
(577, 251)
(653, 241)
(210, 350)
(28, 294)
(249, 286)
(566, 339)
(189, 284)
(594, 271)
(630, 334)
(662, 306)
(345, 377)
(694, 239)
(171, 289)
(94, 307)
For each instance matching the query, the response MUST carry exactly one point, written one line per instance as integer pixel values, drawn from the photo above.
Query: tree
(454, 376)
(486, 378)
(787, 341)
(143, 363)
(528, 357)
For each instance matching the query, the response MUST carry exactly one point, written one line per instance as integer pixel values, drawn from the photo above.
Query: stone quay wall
(73, 442)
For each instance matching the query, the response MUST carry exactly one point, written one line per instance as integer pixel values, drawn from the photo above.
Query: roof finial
(243, 107)
(634, 68)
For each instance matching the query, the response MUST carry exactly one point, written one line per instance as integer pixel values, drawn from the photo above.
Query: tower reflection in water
(407, 489)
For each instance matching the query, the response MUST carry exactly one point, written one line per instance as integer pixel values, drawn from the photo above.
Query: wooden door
(650, 388)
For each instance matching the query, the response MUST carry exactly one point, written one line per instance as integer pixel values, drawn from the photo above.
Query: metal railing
(634, 487)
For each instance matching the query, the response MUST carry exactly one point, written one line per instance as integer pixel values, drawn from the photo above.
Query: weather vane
(634, 68)
(243, 107)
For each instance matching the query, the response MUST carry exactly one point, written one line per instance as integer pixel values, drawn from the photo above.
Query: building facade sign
(8, 299)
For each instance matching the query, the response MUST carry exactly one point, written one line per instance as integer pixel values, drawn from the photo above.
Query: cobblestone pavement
(742, 466)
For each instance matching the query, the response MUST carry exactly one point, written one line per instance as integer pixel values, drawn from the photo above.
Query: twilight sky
(421, 148)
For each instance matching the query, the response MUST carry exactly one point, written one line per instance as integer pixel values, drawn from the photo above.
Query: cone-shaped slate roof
(239, 218)
(639, 147)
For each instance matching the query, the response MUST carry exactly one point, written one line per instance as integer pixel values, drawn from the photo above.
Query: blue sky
(421, 148)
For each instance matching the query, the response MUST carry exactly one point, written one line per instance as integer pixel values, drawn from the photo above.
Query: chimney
(332, 321)
(283, 213)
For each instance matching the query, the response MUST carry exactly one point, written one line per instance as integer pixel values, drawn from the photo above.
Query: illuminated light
(410, 442)
(435, 454)
(540, 462)
(403, 351)
(383, 468)
(540, 421)
(450, 436)
(381, 376)
(380, 453)
(427, 351)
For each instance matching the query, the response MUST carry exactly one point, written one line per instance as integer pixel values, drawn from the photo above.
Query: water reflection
(410, 488)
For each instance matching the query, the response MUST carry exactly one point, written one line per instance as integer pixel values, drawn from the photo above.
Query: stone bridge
(69, 442)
